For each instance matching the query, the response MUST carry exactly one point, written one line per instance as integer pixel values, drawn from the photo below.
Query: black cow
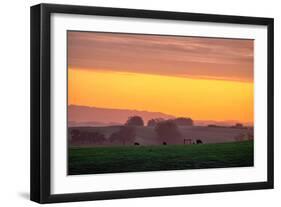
(199, 141)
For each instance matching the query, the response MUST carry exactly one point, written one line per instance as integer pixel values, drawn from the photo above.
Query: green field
(92, 160)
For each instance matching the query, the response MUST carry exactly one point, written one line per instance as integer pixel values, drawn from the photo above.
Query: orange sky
(202, 78)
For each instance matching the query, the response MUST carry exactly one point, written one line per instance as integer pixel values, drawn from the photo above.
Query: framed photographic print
(133, 103)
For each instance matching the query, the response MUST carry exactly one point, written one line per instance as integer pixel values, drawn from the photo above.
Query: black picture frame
(40, 184)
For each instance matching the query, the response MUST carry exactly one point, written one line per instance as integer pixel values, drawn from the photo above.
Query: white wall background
(14, 101)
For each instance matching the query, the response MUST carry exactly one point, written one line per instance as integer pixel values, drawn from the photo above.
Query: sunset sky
(201, 78)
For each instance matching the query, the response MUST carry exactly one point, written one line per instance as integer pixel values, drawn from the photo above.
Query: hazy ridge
(94, 116)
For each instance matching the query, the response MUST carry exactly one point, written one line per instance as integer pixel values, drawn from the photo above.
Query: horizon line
(175, 116)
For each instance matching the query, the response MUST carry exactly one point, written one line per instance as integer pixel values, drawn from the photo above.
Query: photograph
(154, 102)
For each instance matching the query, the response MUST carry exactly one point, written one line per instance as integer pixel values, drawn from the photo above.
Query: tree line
(166, 131)
(138, 121)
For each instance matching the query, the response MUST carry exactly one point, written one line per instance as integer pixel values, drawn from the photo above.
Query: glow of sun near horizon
(201, 78)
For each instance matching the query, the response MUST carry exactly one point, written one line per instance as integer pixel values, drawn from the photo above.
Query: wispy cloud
(215, 58)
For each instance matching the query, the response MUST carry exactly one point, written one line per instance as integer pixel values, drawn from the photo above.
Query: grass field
(93, 160)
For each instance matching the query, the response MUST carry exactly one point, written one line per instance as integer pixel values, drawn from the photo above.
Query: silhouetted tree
(79, 137)
(126, 134)
(167, 131)
(250, 135)
(97, 137)
(134, 121)
(153, 122)
(74, 134)
(238, 125)
(183, 121)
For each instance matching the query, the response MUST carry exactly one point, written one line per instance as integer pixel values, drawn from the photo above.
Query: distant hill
(92, 123)
(94, 116)
(220, 123)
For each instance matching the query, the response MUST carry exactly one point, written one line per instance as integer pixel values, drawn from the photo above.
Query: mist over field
(147, 135)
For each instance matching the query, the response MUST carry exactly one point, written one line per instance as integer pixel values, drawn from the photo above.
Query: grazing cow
(164, 143)
(199, 141)
(136, 143)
